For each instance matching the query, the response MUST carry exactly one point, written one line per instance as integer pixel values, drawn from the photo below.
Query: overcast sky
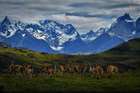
(85, 15)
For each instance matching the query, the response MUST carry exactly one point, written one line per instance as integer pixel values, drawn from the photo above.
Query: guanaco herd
(95, 70)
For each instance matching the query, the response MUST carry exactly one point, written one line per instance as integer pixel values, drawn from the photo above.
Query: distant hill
(128, 48)
(2, 44)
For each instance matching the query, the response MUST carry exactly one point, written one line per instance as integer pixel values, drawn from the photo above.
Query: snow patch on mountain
(56, 48)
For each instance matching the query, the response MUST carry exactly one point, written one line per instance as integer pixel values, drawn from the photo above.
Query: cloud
(83, 24)
(12, 2)
(106, 4)
(122, 5)
(82, 4)
(84, 14)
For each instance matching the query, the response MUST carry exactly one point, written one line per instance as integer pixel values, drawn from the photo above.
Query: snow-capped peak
(123, 27)
(56, 34)
(91, 35)
(6, 21)
(126, 16)
(7, 28)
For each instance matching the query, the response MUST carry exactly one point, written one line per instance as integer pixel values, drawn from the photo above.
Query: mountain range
(53, 37)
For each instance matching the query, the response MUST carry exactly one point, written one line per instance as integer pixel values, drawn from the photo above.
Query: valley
(125, 56)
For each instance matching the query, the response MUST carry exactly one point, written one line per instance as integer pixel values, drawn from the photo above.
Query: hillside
(20, 56)
(127, 53)
(131, 47)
